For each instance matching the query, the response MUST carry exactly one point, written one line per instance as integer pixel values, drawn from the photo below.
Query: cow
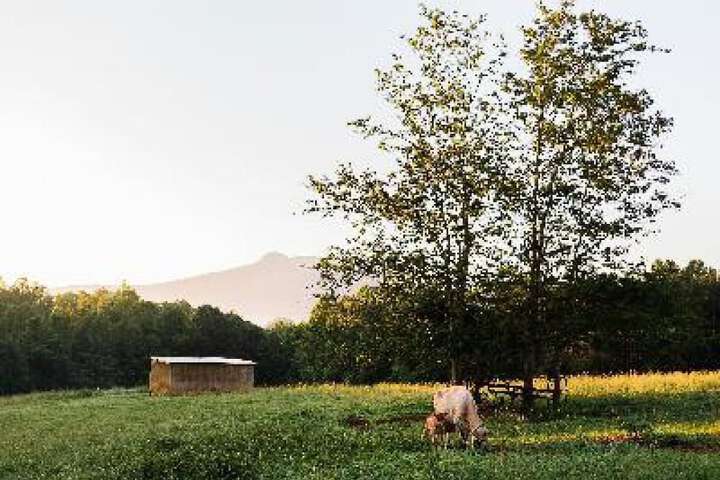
(458, 405)
(438, 427)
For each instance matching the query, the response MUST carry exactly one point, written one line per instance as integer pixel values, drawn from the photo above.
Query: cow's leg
(463, 434)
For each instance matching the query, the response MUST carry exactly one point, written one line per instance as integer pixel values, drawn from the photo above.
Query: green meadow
(647, 426)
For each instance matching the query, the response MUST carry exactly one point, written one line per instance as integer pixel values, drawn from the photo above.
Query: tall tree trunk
(557, 388)
(460, 304)
(528, 377)
(532, 347)
(536, 246)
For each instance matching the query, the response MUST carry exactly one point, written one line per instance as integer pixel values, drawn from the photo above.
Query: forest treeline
(105, 338)
(660, 320)
(664, 319)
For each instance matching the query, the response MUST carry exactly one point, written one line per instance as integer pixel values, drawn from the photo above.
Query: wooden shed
(178, 375)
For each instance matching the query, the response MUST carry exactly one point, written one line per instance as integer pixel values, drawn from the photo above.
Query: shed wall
(202, 377)
(160, 378)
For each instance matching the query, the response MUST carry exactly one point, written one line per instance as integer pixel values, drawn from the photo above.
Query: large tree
(423, 224)
(587, 179)
(536, 179)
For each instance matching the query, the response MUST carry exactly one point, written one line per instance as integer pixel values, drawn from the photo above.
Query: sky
(152, 140)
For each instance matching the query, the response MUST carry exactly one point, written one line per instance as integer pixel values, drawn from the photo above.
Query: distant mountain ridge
(276, 286)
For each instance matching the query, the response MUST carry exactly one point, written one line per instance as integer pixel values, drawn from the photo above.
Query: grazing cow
(458, 405)
(438, 427)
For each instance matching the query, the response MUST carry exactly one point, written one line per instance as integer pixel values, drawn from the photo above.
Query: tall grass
(632, 384)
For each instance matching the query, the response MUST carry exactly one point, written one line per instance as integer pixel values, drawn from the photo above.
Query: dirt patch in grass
(358, 422)
(710, 445)
(697, 448)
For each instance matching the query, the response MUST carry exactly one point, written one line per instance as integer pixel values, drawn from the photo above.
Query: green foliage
(423, 224)
(666, 319)
(532, 181)
(356, 339)
(105, 338)
(663, 320)
(588, 180)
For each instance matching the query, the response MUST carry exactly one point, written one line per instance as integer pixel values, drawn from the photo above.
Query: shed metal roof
(227, 361)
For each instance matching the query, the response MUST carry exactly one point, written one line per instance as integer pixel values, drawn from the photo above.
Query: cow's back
(458, 403)
(454, 399)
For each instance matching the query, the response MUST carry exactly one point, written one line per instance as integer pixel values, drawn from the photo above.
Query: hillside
(275, 286)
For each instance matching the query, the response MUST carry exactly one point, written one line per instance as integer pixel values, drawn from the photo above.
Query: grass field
(649, 426)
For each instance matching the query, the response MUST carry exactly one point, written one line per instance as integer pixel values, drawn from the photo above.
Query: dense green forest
(104, 339)
(663, 319)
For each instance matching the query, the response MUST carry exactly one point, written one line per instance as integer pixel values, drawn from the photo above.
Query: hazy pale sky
(150, 140)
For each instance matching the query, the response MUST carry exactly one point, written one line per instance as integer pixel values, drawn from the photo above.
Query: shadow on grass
(676, 407)
(359, 422)
(646, 407)
(694, 444)
(636, 418)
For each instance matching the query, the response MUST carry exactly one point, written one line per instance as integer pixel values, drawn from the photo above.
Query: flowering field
(644, 426)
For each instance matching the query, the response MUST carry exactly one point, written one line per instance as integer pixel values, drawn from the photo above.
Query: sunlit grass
(666, 383)
(396, 389)
(629, 426)
(690, 428)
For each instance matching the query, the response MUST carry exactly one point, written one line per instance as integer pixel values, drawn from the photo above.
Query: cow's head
(480, 433)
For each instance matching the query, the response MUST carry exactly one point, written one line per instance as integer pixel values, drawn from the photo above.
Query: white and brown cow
(457, 404)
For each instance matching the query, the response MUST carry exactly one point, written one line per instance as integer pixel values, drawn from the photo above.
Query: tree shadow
(705, 443)
(653, 408)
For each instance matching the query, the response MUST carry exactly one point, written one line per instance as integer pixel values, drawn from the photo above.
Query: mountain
(273, 287)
